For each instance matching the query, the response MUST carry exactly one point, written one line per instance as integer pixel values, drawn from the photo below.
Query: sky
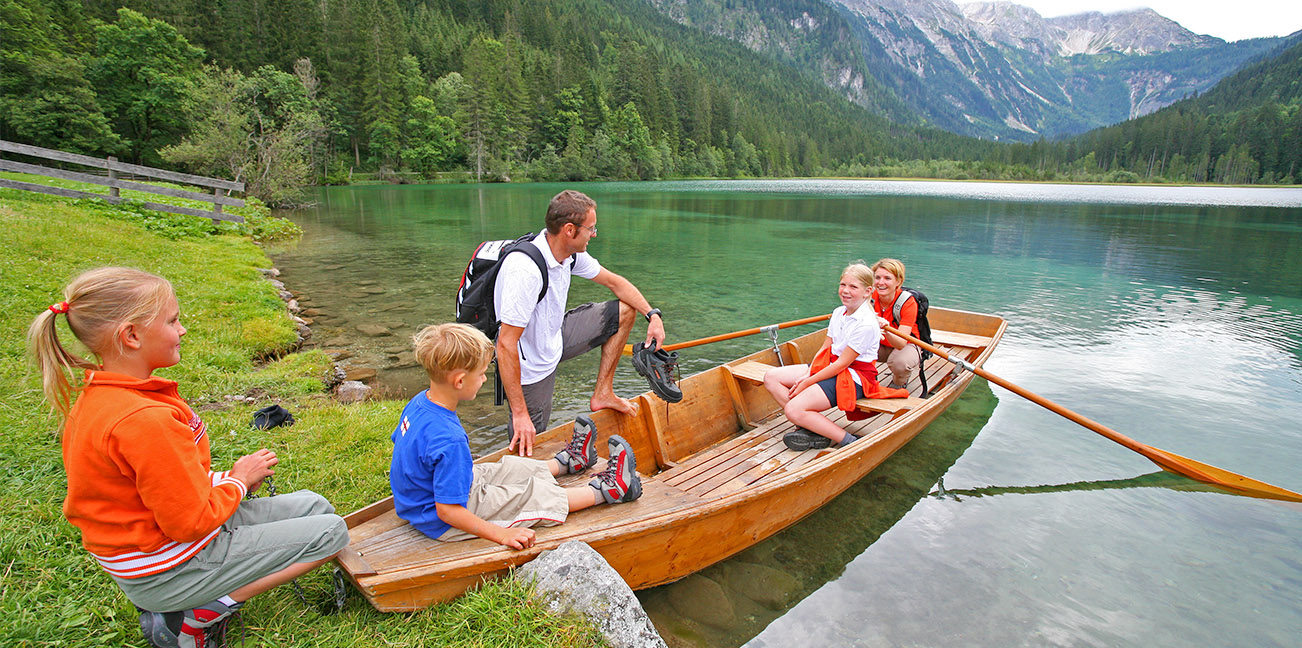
(1230, 20)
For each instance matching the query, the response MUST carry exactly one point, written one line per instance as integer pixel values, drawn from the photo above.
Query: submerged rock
(702, 600)
(772, 588)
(338, 354)
(360, 373)
(372, 330)
(575, 578)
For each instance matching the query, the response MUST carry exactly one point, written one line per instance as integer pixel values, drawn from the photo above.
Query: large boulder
(575, 578)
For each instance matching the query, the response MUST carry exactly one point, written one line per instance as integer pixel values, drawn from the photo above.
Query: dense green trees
(281, 93)
(572, 89)
(45, 98)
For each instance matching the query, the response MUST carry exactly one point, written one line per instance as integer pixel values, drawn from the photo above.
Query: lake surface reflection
(1174, 315)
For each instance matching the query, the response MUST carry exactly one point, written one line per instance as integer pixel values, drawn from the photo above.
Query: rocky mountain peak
(1015, 25)
(1141, 31)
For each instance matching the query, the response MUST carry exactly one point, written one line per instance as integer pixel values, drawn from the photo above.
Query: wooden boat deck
(751, 457)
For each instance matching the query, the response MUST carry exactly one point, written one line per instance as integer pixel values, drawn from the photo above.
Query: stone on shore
(352, 391)
(575, 578)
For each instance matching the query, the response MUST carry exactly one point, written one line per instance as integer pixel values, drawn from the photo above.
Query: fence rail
(218, 197)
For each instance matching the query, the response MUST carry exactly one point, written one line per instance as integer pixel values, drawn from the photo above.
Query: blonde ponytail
(97, 303)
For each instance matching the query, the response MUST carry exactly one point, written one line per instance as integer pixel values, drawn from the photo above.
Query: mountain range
(994, 70)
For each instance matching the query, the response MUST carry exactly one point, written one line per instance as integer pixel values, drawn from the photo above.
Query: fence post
(216, 206)
(113, 175)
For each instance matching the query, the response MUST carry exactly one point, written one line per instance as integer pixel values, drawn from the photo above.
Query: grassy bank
(51, 591)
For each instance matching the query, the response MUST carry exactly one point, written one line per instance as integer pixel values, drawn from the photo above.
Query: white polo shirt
(858, 331)
(516, 299)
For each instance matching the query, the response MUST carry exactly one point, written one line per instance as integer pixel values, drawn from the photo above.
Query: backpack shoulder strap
(900, 300)
(530, 250)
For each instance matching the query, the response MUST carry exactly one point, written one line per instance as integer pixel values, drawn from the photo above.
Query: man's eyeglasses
(592, 229)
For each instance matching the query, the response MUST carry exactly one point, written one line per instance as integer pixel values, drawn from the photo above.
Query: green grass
(51, 591)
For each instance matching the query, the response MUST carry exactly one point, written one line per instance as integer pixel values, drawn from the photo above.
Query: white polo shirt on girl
(858, 331)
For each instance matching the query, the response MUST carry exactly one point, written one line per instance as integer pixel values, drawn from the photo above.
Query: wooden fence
(218, 197)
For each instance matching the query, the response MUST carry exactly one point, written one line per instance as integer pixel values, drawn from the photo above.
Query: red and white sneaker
(619, 482)
(581, 453)
(202, 627)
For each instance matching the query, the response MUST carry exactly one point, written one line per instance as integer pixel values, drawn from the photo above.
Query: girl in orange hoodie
(176, 537)
(843, 371)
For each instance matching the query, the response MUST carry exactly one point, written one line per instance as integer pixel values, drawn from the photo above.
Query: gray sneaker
(581, 453)
(619, 482)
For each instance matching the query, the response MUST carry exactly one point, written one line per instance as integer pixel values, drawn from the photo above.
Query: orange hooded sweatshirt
(140, 486)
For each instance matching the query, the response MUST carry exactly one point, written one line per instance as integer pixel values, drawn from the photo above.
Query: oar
(628, 348)
(1169, 461)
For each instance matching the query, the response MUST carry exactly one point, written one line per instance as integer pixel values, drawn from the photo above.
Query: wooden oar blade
(1169, 461)
(1228, 480)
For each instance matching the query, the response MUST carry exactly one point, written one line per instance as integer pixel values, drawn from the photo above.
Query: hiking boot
(619, 482)
(657, 366)
(581, 453)
(202, 627)
(801, 439)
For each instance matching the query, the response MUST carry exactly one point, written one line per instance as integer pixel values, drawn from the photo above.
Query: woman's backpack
(924, 327)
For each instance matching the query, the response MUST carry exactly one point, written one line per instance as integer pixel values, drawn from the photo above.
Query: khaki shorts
(514, 492)
(262, 537)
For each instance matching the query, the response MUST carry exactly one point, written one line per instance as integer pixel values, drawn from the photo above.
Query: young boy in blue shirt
(439, 489)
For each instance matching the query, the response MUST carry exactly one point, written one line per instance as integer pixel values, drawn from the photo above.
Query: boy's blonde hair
(893, 266)
(98, 303)
(859, 271)
(444, 348)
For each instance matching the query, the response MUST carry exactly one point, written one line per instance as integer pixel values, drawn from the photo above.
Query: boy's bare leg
(581, 497)
(603, 396)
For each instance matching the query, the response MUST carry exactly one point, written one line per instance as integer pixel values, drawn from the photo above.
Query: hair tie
(61, 307)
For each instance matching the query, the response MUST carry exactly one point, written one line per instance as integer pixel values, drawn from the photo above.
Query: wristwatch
(654, 311)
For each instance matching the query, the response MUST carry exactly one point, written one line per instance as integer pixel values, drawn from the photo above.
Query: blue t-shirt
(431, 464)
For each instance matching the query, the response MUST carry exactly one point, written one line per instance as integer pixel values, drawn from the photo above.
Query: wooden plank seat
(750, 371)
(952, 339)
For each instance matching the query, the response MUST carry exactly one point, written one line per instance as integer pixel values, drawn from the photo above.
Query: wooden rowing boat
(716, 477)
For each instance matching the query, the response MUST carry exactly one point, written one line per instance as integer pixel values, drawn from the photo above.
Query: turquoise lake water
(1173, 315)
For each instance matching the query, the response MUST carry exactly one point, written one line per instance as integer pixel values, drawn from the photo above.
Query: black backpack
(475, 294)
(924, 327)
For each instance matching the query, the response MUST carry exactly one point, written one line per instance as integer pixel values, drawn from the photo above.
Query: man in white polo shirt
(536, 336)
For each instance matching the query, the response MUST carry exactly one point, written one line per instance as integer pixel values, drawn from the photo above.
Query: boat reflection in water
(729, 603)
